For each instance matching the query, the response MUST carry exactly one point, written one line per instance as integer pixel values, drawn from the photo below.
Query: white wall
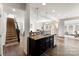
(18, 14)
(2, 29)
(27, 27)
(1, 10)
(61, 28)
(54, 28)
(5, 9)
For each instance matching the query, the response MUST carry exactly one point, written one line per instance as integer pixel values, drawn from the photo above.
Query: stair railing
(16, 24)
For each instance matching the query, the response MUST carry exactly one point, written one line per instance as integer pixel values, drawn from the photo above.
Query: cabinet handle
(50, 39)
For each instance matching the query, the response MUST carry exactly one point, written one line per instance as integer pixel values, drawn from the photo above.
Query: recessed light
(43, 3)
(53, 10)
(13, 9)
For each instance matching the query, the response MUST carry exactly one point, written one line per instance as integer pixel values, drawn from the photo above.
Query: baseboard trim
(26, 53)
(54, 46)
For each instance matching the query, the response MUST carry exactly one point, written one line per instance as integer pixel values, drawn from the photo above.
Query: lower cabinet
(37, 47)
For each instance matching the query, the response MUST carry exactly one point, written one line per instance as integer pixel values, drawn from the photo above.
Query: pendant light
(37, 13)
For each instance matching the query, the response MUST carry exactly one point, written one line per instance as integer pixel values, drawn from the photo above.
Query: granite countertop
(37, 37)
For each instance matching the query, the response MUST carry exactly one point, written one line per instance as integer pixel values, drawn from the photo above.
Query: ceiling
(50, 11)
(19, 9)
(57, 10)
(20, 6)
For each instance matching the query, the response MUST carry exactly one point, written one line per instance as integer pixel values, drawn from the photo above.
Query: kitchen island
(38, 44)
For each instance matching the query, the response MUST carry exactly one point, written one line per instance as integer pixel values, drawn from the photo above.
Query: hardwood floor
(65, 47)
(14, 50)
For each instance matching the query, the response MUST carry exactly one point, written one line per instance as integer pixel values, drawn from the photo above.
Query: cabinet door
(32, 47)
(51, 41)
(47, 43)
(41, 45)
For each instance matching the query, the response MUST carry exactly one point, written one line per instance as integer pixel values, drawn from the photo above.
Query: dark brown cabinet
(37, 47)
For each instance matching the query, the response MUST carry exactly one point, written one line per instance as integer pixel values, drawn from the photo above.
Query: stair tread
(10, 44)
(11, 34)
(10, 38)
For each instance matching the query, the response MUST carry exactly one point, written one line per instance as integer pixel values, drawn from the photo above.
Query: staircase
(11, 36)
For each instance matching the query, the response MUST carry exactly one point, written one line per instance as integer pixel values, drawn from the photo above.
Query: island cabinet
(38, 45)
